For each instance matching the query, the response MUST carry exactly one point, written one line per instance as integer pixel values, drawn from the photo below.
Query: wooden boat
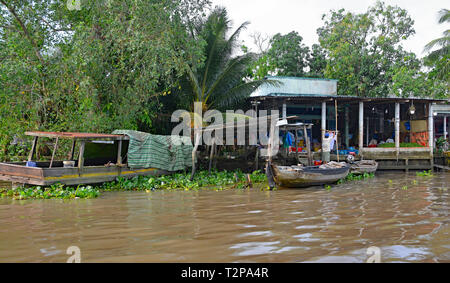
(363, 166)
(304, 176)
(105, 165)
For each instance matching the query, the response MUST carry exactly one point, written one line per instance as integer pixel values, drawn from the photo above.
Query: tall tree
(363, 48)
(288, 55)
(96, 68)
(317, 62)
(219, 82)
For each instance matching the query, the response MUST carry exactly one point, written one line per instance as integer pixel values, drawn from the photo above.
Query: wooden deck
(405, 158)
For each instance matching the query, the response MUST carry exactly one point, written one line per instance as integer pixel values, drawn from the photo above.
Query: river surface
(405, 216)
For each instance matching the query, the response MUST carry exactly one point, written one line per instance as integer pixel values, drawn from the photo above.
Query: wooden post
(382, 123)
(119, 153)
(397, 126)
(211, 154)
(337, 132)
(72, 150)
(367, 131)
(81, 157)
(296, 146)
(445, 127)
(194, 151)
(361, 126)
(33, 149)
(308, 147)
(431, 134)
(324, 120)
(430, 127)
(346, 130)
(257, 158)
(54, 151)
(284, 111)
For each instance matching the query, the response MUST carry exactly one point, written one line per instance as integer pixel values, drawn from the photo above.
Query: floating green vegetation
(216, 180)
(58, 191)
(181, 181)
(425, 173)
(355, 177)
(405, 188)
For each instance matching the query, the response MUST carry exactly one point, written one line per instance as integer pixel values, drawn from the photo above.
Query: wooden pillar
(337, 132)
(361, 126)
(119, 153)
(197, 136)
(72, 150)
(445, 127)
(284, 111)
(367, 131)
(397, 126)
(81, 157)
(430, 127)
(54, 152)
(382, 122)
(308, 146)
(324, 119)
(296, 146)
(211, 154)
(33, 149)
(346, 129)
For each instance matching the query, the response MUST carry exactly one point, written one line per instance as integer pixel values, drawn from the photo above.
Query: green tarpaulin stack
(170, 153)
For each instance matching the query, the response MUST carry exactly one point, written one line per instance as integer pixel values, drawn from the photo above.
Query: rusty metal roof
(84, 136)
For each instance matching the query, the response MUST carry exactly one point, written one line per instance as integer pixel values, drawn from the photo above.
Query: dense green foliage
(57, 191)
(287, 55)
(99, 68)
(365, 52)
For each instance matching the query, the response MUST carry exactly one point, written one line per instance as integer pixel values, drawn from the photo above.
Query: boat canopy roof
(80, 136)
(293, 126)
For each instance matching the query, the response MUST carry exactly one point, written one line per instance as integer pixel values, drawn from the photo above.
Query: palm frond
(444, 16)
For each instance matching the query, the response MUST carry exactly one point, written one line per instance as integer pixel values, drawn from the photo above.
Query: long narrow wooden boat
(363, 166)
(305, 176)
(106, 165)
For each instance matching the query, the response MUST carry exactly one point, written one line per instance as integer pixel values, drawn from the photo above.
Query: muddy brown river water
(405, 216)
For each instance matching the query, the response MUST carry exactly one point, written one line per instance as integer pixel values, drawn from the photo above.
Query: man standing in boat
(326, 146)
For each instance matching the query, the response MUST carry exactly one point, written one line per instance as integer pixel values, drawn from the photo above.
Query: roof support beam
(397, 126)
(324, 119)
(361, 126)
(430, 127)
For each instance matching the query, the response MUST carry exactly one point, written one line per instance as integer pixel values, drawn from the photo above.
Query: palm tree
(219, 83)
(440, 56)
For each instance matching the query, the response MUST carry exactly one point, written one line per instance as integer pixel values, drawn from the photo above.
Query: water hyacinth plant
(58, 191)
(179, 181)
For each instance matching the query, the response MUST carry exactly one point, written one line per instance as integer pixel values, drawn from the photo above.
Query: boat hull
(17, 173)
(309, 176)
(359, 168)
